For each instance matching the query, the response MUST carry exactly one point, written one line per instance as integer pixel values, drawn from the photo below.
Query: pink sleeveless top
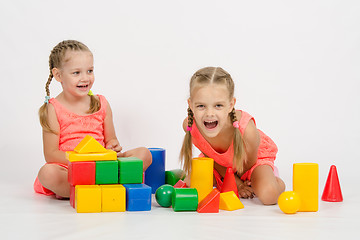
(267, 147)
(73, 127)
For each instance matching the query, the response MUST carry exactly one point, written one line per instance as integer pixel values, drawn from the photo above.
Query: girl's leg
(266, 186)
(55, 178)
(141, 153)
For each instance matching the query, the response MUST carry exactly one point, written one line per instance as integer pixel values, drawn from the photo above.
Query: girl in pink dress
(73, 114)
(229, 136)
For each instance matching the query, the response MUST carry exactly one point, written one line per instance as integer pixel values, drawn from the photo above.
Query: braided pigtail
(186, 149)
(238, 161)
(94, 104)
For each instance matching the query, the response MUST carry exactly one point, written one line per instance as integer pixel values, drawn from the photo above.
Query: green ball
(163, 195)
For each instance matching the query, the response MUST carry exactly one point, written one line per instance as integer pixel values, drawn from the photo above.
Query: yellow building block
(201, 176)
(229, 201)
(87, 198)
(89, 145)
(113, 198)
(306, 184)
(81, 157)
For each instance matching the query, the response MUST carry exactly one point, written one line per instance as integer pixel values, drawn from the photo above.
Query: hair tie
(47, 99)
(188, 128)
(236, 124)
(90, 93)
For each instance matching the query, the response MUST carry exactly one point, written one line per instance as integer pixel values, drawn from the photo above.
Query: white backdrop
(295, 64)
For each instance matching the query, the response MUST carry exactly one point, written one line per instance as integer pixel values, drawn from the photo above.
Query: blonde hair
(56, 59)
(203, 77)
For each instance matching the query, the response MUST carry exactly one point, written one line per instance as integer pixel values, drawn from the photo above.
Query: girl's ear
(57, 74)
(232, 104)
(189, 102)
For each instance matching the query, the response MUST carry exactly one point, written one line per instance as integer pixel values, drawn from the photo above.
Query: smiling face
(76, 73)
(211, 106)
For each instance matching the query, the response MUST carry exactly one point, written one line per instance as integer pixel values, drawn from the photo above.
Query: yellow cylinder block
(201, 176)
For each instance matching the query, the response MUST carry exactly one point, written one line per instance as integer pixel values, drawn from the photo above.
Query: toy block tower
(94, 175)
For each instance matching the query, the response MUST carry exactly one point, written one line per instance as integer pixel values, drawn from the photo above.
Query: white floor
(26, 215)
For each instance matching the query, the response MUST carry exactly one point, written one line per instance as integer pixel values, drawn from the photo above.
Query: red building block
(229, 183)
(81, 173)
(72, 196)
(210, 204)
(180, 184)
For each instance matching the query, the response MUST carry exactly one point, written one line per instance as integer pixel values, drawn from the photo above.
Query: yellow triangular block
(229, 201)
(89, 145)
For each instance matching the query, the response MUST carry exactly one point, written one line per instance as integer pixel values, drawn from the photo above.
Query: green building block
(173, 176)
(107, 172)
(130, 170)
(185, 199)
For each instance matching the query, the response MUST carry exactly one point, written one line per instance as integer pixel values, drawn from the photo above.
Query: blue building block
(138, 197)
(155, 174)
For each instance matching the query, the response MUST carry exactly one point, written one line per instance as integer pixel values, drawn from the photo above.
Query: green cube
(130, 170)
(107, 172)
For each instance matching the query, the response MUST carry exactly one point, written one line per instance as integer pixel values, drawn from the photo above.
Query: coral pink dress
(266, 152)
(73, 128)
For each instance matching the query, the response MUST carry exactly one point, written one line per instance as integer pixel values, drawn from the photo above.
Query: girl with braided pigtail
(229, 136)
(73, 114)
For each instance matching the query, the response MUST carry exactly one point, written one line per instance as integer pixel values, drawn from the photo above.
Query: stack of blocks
(201, 196)
(101, 182)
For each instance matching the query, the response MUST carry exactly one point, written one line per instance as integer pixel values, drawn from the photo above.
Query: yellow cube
(87, 198)
(229, 201)
(89, 145)
(73, 156)
(113, 198)
(306, 184)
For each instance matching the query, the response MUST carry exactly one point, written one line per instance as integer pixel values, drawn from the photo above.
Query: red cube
(82, 173)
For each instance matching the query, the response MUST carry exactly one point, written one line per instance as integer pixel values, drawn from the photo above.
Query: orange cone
(229, 183)
(332, 190)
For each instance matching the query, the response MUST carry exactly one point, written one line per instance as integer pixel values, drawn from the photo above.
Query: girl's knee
(50, 174)
(147, 157)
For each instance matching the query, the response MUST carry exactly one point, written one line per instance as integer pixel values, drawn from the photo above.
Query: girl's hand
(115, 146)
(245, 190)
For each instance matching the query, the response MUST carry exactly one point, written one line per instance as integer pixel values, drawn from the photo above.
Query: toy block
(289, 202)
(88, 198)
(229, 201)
(163, 195)
(185, 199)
(80, 157)
(130, 170)
(138, 197)
(180, 184)
(107, 172)
(89, 145)
(229, 183)
(72, 196)
(332, 190)
(155, 173)
(306, 184)
(81, 173)
(113, 198)
(201, 176)
(173, 176)
(211, 203)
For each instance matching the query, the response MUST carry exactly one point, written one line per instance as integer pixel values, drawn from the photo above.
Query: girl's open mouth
(210, 124)
(83, 86)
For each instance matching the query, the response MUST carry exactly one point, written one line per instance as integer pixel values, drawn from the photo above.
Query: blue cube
(138, 197)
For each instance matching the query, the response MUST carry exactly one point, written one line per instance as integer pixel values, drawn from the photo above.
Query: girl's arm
(111, 141)
(52, 153)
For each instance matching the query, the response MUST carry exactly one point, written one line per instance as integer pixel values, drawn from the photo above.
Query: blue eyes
(216, 106)
(77, 72)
